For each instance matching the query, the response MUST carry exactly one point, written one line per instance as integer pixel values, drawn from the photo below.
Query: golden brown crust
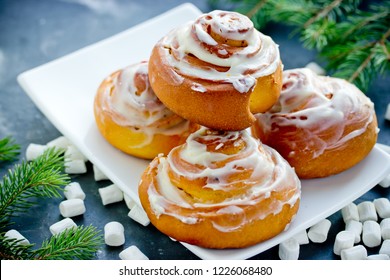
(253, 206)
(221, 106)
(128, 139)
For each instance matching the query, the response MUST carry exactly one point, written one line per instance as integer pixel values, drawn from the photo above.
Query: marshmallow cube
(139, 215)
(387, 114)
(344, 240)
(98, 174)
(301, 237)
(114, 234)
(378, 257)
(355, 227)
(33, 151)
(76, 166)
(385, 228)
(316, 68)
(371, 234)
(385, 248)
(382, 206)
(72, 207)
(385, 183)
(130, 203)
(74, 190)
(132, 253)
(319, 232)
(14, 234)
(62, 225)
(289, 249)
(367, 211)
(72, 153)
(60, 143)
(350, 212)
(358, 252)
(110, 194)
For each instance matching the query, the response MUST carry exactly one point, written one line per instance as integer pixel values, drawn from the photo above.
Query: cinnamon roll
(220, 190)
(131, 117)
(217, 71)
(320, 125)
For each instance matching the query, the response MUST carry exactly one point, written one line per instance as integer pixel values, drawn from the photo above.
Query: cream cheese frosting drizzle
(237, 177)
(226, 40)
(131, 102)
(319, 107)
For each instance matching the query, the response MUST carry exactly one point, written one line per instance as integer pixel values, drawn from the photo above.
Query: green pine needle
(8, 149)
(42, 177)
(353, 43)
(74, 243)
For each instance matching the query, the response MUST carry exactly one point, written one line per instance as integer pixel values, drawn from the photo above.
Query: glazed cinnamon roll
(217, 71)
(320, 125)
(220, 190)
(131, 117)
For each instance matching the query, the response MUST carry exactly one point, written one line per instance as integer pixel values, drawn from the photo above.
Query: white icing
(321, 107)
(258, 57)
(140, 110)
(268, 173)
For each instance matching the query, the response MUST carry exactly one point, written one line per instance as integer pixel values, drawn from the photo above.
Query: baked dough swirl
(220, 190)
(217, 71)
(320, 125)
(131, 117)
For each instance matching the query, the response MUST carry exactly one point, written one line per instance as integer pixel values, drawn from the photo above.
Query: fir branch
(354, 43)
(9, 150)
(74, 243)
(39, 178)
(11, 249)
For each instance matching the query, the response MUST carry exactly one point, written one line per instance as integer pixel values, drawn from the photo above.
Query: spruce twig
(9, 150)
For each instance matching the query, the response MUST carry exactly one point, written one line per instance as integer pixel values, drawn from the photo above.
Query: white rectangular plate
(64, 90)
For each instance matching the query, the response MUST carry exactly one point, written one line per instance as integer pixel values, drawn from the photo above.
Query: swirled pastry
(320, 125)
(131, 117)
(220, 190)
(217, 71)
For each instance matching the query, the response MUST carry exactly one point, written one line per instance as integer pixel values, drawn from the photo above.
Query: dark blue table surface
(33, 32)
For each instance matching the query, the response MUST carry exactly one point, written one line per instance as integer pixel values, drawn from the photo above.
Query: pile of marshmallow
(73, 205)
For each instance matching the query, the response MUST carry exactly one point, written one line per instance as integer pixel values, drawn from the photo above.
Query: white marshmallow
(74, 190)
(60, 142)
(76, 166)
(355, 227)
(62, 225)
(33, 151)
(130, 203)
(371, 234)
(14, 234)
(110, 194)
(301, 237)
(385, 183)
(378, 257)
(319, 232)
(382, 206)
(114, 234)
(367, 211)
(72, 153)
(72, 207)
(385, 248)
(132, 253)
(316, 68)
(344, 240)
(289, 249)
(385, 228)
(358, 252)
(387, 114)
(350, 212)
(139, 215)
(98, 174)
